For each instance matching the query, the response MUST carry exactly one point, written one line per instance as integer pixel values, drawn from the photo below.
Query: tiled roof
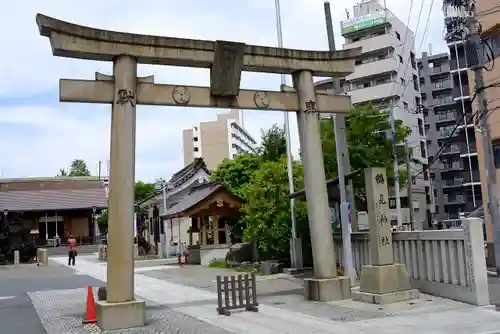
(187, 172)
(53, 199)
(196, 196)
(180, 177)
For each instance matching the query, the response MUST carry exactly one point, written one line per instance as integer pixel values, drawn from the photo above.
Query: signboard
(363, 22)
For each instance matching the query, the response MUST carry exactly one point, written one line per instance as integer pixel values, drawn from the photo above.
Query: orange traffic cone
(90, 316)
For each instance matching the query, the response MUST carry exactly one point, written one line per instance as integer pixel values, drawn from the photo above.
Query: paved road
(17, 314)
(494, 289)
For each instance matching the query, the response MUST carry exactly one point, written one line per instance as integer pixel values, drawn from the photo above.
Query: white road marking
(7, 297)
(144, 269)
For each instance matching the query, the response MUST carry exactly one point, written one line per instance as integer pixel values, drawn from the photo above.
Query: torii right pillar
(325, 285)
(382, 282)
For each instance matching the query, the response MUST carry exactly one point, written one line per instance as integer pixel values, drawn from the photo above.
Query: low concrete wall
(445, 263)
(208, 253)
(102, 252)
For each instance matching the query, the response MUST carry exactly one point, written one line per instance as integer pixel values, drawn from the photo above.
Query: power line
(423, 35)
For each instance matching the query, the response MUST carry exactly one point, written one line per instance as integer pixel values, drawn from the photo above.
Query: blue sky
(39, 135)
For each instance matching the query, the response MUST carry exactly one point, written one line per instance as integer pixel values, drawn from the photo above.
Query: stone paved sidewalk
(289, 313)
(62, 311)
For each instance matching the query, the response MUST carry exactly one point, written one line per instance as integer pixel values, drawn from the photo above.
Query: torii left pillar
(121, 310)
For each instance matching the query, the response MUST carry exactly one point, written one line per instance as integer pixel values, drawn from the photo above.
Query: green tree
(369, 146)
(143, 190)
(62, 172)
(235, 174)
(102, 220)
(267, 209)
(78, 168)
(273, 146)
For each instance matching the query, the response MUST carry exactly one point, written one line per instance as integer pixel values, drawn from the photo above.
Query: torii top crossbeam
(76, 41)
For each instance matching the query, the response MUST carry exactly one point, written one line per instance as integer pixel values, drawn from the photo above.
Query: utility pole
(396, 165)
(295, 243)
(410, 185)
(482, 102)
(166, 243)
(343, 163)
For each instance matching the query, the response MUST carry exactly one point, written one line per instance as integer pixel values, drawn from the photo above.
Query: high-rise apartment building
(216, 140)
(488, 16)
(386, 76)
(447, 104)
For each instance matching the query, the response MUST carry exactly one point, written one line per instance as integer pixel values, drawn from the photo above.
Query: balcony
(375, 43)
(447, 132)
(453, 166)
(474, 179)
(438, 70)
(464, 92)
(445, 117)
(450, 150)
(375, 68)
(461, 62)
(443, 101)
(454, 199)
(470, 151)
(458, 182)
(441, 85)
(376, 92)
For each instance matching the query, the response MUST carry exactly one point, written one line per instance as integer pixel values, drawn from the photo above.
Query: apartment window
(195, 138)
(423, 149)
(400, 59)
(196, 149)
(420, 127)
(403, 81)
(405, 106)
(413, 61)
(398, 36)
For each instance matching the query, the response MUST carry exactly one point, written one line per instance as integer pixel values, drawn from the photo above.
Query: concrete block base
(386, 298)
(113, 316)
(327, 289)
(385, 284)
(136, 251)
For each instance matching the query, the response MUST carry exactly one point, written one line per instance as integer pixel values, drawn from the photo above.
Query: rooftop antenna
(430, 49)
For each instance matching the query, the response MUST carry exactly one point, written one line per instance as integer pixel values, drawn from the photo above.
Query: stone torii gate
(226, 60)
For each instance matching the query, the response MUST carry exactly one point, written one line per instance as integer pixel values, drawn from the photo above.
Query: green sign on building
(363, 22)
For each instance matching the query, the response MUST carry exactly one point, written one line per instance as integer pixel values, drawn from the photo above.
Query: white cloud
(44, 137)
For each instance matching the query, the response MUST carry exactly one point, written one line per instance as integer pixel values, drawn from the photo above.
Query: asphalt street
(494, 289)
(17, 314)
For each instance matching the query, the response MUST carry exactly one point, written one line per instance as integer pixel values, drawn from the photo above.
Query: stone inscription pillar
(325, 285)
(383, 281)
(378, 216)
(121, 186)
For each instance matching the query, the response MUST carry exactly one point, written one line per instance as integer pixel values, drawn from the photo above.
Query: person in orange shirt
(71, 250)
